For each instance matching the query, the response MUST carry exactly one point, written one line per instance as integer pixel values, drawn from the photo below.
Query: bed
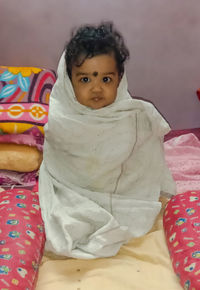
(143, 263)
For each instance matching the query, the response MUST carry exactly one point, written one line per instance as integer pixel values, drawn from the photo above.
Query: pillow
(182, 229)
(24, 97)
(22, 239)
(31, 137)
(21, 158)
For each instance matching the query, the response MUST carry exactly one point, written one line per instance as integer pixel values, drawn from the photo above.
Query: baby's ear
(120, 77)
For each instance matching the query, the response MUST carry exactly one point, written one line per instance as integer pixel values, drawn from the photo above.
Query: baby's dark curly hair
(89, 41)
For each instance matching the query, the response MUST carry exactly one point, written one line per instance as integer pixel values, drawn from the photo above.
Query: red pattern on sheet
(22, 239)
(182, 228)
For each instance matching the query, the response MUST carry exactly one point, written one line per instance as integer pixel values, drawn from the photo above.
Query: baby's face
(95, 82)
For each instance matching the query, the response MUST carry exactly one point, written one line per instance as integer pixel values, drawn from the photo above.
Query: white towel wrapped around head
(102, 172)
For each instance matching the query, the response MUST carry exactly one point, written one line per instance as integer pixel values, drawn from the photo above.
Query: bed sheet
(143, 263)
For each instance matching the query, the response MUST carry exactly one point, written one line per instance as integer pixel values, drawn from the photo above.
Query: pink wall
(163, 37)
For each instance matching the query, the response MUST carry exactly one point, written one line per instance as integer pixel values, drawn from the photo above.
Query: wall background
(163, 37)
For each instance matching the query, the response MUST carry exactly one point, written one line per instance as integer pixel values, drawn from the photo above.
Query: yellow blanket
(143, 263)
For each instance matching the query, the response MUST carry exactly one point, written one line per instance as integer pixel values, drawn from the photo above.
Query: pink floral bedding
(13, 178)
(31, 137)
(19, 210)
(183, 158)
(182, 218)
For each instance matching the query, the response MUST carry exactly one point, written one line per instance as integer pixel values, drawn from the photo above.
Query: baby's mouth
(97, 98)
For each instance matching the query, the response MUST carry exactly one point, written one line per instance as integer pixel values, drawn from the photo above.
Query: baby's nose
(97, 87)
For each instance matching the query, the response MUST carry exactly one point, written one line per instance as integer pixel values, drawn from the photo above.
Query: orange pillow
(21, 158)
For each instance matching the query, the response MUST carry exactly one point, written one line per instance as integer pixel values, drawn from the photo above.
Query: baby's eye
(85, 80)
(106, 79)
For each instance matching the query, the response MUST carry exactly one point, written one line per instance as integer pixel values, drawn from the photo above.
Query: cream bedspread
(143, 263)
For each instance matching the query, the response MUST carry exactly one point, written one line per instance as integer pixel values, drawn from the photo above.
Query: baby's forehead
(97, 65)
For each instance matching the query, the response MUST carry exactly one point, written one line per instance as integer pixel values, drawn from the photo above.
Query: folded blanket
(183, 158)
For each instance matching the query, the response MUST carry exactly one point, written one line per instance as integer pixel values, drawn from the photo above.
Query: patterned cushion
(22, 239)
(24, 97)
(182, 228)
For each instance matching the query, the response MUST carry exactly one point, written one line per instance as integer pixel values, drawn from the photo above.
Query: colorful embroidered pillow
(24, 97)
(22, 239)
(182, 229)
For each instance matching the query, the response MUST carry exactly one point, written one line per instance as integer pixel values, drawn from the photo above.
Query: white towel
(102, 172)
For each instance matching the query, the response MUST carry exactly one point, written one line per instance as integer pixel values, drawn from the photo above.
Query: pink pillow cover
(31, 137)
(10, 178)
(22, 239)
(182, 229)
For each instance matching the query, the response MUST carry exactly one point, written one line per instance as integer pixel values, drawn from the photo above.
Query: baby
(103, 169)
(95, 64)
